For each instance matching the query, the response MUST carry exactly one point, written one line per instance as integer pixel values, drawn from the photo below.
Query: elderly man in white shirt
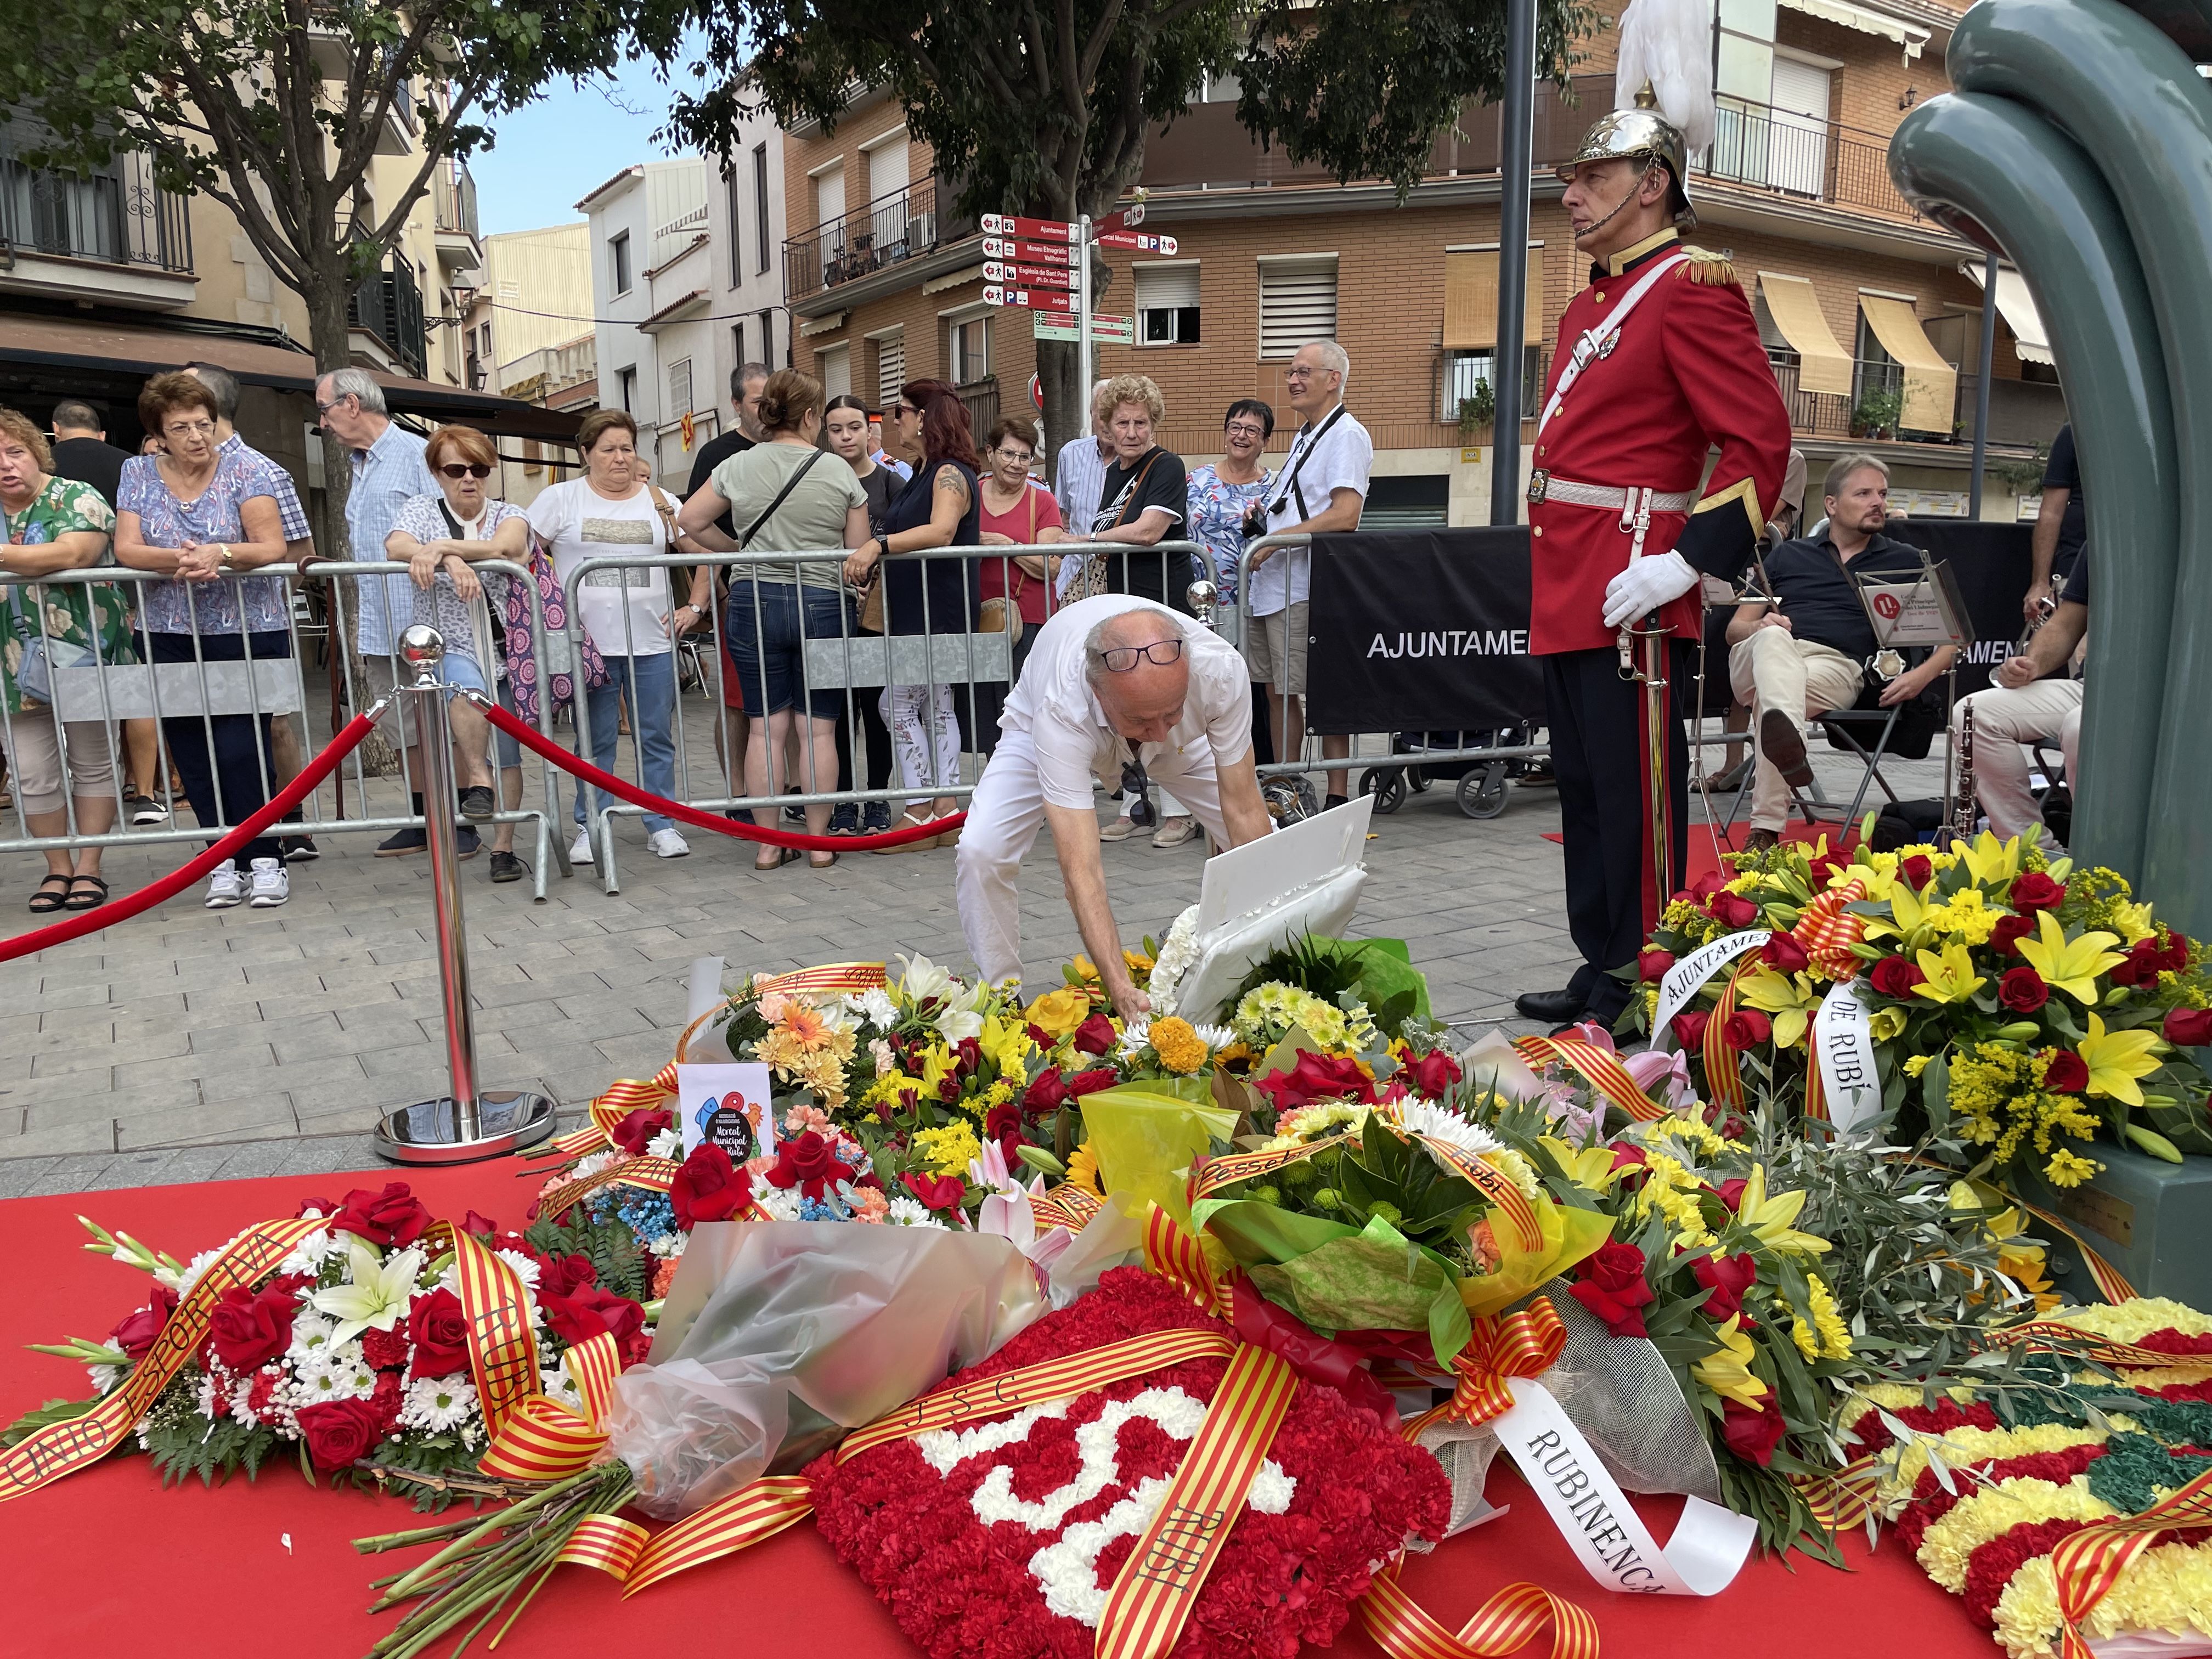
(1110, 679)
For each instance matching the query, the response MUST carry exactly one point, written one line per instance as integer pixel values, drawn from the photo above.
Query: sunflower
(1082, 1171)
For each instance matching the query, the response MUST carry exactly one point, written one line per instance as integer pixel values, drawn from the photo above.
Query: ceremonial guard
(1658, 363)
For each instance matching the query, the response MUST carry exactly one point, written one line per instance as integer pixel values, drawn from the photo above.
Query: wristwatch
(223, 563)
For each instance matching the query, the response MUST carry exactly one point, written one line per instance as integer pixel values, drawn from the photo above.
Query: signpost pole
(1082, 327)
(1982, 386)
(1516, 139)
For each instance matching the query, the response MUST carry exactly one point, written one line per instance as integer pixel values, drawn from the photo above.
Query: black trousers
(1599, 756)
(227, 785)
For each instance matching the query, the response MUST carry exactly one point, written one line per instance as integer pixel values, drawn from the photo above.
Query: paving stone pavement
(196, 1045)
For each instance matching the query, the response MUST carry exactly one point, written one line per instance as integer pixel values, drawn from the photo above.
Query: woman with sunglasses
(438, 536)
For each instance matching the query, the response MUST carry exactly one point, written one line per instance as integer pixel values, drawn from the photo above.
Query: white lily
(376, 1297)
(1493, 1064)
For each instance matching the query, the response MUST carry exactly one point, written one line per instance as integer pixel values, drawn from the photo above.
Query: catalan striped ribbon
(839, 976)
(1175, 1255)
(651, 1175)
(1504, 1624)
(760, 1510)
(1841, 1498)
(2086, 1565)
(61, 1448)
(2072, 1339)
(502, 1340)
(1724, 1079)
(1524, 1344)
(1600, 1067)
(624, 1095)
(1068, 1206)
(1827, 930)
(1216, 1173)
(2112, 1283)
(1493, 1184)
(608, 1542)
(545, 1440)
(1816, 1090)
(1159, 1583)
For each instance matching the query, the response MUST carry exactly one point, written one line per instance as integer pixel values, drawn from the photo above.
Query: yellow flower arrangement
(1727, 1369)
(949, 1148)
(1181, 1049)
(1059, 1010)
(1950, 975)
(1672, 1191)
(2169, 1588)
(2131, 1322)
(1082, 1171)
(1991, 1512)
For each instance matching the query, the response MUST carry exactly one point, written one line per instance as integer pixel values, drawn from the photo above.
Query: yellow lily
(2070, 965)
(1987, 860)
(1887, 1024)
(1770, 1217)
(2116, 1059)
(1906, 912)
(1727, 1369)
(1951, 976)
(1790, 998)
(1589, 1167)
(2132, 920)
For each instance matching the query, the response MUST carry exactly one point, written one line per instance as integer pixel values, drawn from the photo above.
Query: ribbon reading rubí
(1850, 1090)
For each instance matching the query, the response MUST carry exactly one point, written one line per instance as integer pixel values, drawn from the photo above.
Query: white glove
(1647, 584)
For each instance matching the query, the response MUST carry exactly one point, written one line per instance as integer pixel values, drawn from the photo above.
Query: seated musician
(1806, 649)
(2036, 699)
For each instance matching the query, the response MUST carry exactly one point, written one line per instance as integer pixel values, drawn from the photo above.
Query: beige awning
(1822, 365)
(2029, 338)
(1931, 385)
(1910, 36)
(1471, 301)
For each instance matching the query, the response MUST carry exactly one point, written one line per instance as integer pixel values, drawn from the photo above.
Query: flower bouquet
(344, 1337)
(2040, 1007)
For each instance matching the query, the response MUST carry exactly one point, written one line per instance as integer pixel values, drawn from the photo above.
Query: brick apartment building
(1870, 314)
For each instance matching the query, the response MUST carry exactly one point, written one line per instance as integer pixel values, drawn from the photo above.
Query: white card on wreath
(729, 1105)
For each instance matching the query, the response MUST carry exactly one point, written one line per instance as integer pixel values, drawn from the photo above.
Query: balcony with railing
(453, 203)
(2023, 414)
(114, 216)
(387, 309)
(906, 224)
(1800, 156)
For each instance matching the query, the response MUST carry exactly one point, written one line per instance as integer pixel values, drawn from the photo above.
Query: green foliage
(183, 1443)
(623, 1266)
(1411, 1190)
(1479, 410)
(54, 1411)
(1878, 411)
(1375, 972)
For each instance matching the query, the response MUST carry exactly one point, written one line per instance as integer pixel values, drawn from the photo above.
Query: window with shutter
(1166, 304)
(891, 367)
(679, 388)
(836, 364)
(1297, 303)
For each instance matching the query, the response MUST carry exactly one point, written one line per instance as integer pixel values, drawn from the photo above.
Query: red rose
(558, 1275)
(1610, 1285)
(1096, 1035)
(1089, 1083)
(2022, 990)
(246, 1329)
(1730, 1193)
(2068, 1073)
(579, 1317)
(1893, 976)
(1753, 1431)
(1823, 866)
(1004, 1125)
(392, 1216)
(1746, 1028)
(707, 1187)
(385, 1351)
(1917, 870)
(135, 1335)
(340, 1432)
(2005, 937)
(320, 1206)
(1729, 1278)
(1628, 1158)
(2174, 958)
(1047, 1093)
(387, 1397)
(440, 1331)
(1042, 1038)
(1315, 1078)
(1652, 963)
(1785, 954)
(1690, 1030)
(636, 1130)
(2188, 1028)
(479, 1226)
(2035, 891)
(939, 1193)
(807, 1164)
(1433, 1074)
(1734, 910)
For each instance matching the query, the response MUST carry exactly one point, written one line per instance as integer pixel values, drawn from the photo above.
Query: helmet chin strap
(1621, 206)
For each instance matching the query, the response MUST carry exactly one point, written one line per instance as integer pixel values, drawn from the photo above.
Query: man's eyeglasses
(465, 469)
(1298, 372)
(325, 409)
(1121, 658)
(1239, 430)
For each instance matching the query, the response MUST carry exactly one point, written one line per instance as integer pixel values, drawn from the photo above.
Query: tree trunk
(1065, 398)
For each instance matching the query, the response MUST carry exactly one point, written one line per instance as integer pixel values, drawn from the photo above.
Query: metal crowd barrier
(267, 683)
(855, 665)
(1391, 772)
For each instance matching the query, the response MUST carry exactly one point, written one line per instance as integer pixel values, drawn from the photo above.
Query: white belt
(1544, 488)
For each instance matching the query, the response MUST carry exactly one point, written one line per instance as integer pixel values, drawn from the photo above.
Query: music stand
(1923, 611)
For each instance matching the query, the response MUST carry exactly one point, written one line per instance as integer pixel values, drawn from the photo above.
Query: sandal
(828, 859)
(1722, 783)
(77, 901)
(910, 820)
(44, 904)
(783, 855)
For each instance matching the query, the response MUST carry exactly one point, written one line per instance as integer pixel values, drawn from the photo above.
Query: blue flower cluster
(647, 1215)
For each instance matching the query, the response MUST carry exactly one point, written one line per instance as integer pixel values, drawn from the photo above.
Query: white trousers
(1003, 821)
(2049, 711)
(1803, 677)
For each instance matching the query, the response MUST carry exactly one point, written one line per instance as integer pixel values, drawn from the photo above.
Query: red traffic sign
(1127, 218)
(1027, 276)
(1033, 299)
(1044, 230)
(1036, 392)
(1042, 253)
(1131, 239)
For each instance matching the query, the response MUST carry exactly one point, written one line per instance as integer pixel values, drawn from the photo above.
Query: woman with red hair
(938, 508)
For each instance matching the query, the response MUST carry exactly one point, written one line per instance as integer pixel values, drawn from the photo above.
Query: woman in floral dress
(1220, 494)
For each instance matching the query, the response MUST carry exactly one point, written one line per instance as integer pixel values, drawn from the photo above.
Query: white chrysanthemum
(105, 1378)
(525, 1267)
(241, 1403)
(1134, 1036)
(669, 1247)
(1426, 1117)
(669, 1143)
(182, 1282)
(438, 1403)
(204, 1393)
(309, 1254)
(779, 1203)
(310, 1337)
(907, 1212)
(554, 1381)
(591, 1165)
(874, 1005)
(1215, 1037)
(1178, 955)
(339, 1374)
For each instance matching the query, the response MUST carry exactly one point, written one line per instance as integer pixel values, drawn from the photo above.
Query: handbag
(1002, 613)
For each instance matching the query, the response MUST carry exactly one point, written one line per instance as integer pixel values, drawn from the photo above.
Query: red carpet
(104, 1559)
(1706, 848)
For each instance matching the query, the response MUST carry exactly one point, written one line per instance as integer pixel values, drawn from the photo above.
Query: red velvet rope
(115, 910)
(531, 738)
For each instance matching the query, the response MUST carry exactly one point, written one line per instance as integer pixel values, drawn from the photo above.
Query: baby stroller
(1479, 785)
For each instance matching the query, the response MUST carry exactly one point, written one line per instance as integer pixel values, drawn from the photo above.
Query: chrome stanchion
(469, 1123)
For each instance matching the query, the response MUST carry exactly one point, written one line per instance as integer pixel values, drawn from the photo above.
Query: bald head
(1142, 701)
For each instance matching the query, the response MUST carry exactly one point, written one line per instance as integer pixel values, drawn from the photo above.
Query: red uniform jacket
(1686, 373)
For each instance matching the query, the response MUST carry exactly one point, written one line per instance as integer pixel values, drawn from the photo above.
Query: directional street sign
(1115, 330)
(1130, 239)
(1035, 299)
(1028, 276)
(1044, 230)
(1042, 253)
(1127, 218)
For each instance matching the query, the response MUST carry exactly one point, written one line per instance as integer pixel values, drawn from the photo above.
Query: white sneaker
(270, 886)
(667, 844)
(579, 850)
(226, 888)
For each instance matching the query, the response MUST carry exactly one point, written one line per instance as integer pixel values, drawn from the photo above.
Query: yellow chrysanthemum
(2166, 1589)
(1181, 1049)
(2068, 1169)
(948, 1149)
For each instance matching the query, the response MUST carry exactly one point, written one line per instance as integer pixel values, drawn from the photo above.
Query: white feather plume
(1669, 43)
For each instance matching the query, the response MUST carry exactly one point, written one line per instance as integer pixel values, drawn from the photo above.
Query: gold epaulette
(1715, 269)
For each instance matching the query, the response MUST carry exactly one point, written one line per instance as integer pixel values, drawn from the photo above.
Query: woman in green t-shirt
(54, 525)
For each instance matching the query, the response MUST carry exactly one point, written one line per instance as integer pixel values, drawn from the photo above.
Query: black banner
(1422, 630)
(1991, 563)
